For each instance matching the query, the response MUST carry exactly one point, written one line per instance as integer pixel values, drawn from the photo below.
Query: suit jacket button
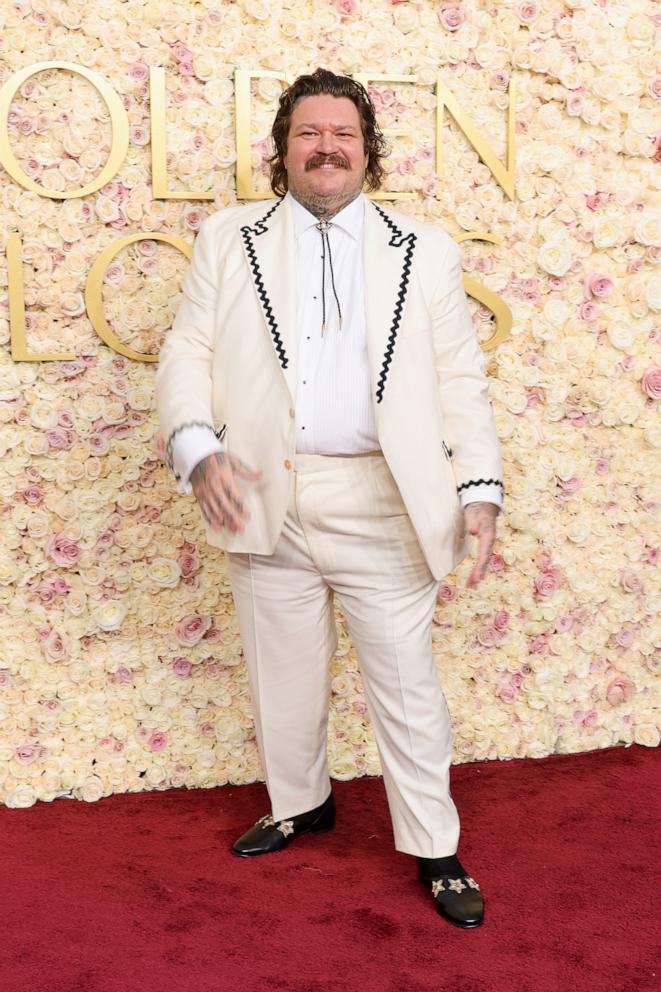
(287, 463)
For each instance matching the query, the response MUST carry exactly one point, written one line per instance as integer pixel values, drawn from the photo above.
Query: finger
(483, 554)
(243, 470)
(232, 501)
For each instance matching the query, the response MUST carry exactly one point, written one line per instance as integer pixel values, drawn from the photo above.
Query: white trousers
(347, 532)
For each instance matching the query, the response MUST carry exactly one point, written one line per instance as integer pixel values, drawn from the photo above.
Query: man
(323, 395)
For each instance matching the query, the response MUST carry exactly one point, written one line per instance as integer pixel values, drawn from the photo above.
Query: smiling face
(326, 157)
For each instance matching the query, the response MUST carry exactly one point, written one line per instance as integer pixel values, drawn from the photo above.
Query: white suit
(229, 364)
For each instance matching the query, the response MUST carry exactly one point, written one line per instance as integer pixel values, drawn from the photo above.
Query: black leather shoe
(268, 835)
(459, 900)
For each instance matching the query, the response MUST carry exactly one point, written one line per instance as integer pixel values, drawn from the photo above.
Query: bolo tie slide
(323, 227)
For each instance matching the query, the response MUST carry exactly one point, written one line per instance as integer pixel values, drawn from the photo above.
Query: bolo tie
(323, 227)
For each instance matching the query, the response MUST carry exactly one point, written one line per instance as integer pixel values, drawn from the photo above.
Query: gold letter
(19, 347)
(159, 179)
(491, 300)
(93, 287)
(365, 78)
(242, 79)
(504, 176)
(118, 118)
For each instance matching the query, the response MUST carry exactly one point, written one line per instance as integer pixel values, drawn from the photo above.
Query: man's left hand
(480, 520)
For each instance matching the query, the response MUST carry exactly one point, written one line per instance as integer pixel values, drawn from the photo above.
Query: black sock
(442, 866)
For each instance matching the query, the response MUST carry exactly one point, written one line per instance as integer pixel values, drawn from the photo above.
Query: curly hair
(323, 81)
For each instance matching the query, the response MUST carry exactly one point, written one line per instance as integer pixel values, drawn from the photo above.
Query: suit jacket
(229, 362)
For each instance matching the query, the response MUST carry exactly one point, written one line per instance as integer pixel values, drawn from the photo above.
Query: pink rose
(191, 629)
(619, 690)
(653, 87)
(496, 563)
(488, 636)
(193, 217)
(181, 666)
(345, 7)
(27, 753)
(158, 741)
(138, 71)
(447, 593)
(563, 623)
(630, 580)
(597, 200)
(527, 11)
(588, 310)
(539, 644)
(602, 466)
(625, 636)
(208, 730)
(653, 556)
(60, 439)
(501, 620)
(452, 16)
(32, 495)
(123, 675)
(569, 486)
(596, 285)
(548, 582)
(651, 382)
(56, 646)
(62, 550)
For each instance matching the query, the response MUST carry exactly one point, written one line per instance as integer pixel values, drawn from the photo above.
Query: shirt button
(291, 413)
(287, 463)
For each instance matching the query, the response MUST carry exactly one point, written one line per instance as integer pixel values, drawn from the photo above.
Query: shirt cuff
(189, 446)
(486, 492)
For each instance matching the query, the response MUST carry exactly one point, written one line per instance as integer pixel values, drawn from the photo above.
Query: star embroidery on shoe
(265, 821)
(456, 885)
(471, 881)
(437, 886)
(286, 827)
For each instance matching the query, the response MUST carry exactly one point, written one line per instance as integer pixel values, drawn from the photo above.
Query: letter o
(94, 285)
(118, 118)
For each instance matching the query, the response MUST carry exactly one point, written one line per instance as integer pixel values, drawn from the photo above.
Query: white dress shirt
(334, 404)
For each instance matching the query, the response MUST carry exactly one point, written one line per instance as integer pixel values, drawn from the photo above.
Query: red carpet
(139, 892)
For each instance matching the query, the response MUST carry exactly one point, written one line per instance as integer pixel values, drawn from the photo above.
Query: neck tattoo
(326, 208)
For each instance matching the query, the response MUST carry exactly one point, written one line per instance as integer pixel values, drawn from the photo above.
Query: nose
(327, 144)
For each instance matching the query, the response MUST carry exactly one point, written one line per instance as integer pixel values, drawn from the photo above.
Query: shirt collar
(349, 218)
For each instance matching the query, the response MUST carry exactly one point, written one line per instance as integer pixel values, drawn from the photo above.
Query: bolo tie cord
(323, 227)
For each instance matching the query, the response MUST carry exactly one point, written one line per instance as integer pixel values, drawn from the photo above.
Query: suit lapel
(388, 256)
(268, 244)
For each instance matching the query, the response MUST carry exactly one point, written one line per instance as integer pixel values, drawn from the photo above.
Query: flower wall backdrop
(120, 660)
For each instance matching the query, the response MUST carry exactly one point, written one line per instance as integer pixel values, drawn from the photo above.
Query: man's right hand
(216, 492)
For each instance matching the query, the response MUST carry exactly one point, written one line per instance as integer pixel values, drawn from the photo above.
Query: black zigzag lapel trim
(397, 239)
(247, 234)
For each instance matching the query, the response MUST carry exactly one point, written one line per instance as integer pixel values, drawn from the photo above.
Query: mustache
(318, 160)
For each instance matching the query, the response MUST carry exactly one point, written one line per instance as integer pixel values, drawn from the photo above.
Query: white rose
(557, 312)
(579, 531)
(554, 257)
(165, 572)
(647, 734)
(110, 615)
(653, 293)
(90, 790)
(21, 796)
(607, 232)
(621, 335)
(647, 229)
